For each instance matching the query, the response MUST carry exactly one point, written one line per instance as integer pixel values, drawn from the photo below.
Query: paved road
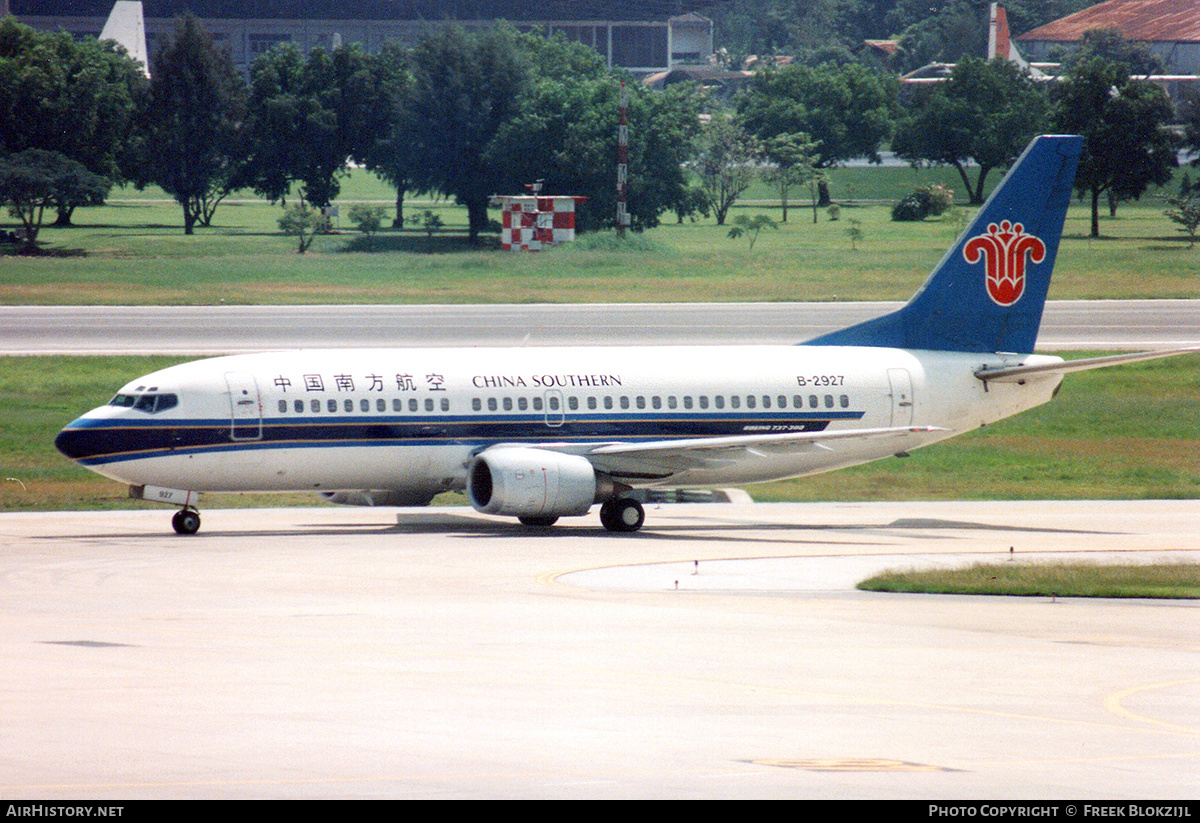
(344, 652)
(1115, 324)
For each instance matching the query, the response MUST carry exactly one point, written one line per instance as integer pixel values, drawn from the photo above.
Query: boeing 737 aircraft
(543, 433)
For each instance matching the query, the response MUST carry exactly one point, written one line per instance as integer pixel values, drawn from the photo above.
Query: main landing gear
(622, 514)
(186, 521)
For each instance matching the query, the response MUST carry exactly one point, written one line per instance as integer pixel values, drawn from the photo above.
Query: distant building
(1000, 47)
(644, 37)
(1167, 28)
(721, 82)
(887, 53)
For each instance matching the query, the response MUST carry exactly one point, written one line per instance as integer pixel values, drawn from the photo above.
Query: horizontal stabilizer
(1017, 374)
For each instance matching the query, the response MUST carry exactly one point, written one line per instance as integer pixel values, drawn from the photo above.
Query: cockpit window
(150, 403)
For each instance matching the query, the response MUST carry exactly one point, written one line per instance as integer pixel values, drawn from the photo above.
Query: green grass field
(1122, 433)
(1164, 580)
(134, 250)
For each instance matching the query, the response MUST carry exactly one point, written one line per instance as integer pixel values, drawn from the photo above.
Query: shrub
(924, 202)
(367, 219)
(913, 207)
(304, 223)
(1186, 212)
(940, 199)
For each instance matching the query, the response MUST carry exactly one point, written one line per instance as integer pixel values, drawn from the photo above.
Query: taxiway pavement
(194, 330)
(339, 652)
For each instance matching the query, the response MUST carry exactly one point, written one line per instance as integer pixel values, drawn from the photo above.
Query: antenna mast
(623, 162)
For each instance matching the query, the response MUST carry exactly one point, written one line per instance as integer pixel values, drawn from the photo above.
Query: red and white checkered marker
(532, 223)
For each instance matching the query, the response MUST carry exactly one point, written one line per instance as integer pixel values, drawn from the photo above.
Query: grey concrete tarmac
(196, 330)
(336, 652)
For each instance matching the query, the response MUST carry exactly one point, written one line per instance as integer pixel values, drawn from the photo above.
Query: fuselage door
(555, 412)
(902, 397)
(245, 406)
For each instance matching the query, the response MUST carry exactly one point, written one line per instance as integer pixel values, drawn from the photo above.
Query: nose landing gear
(186, 521)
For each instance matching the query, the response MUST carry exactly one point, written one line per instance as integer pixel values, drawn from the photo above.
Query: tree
(751, 27)
(304, 223)
(692, 204)
(387, 155)
(565, 133)
(986, 112)
(1186, 212)
(1026, 16)
(563, 130)
(274, 118)
(196, 104)
(958, 28)
(430, 223)
(78, 98)
(1109, 45)
(1190, 115)
(846, 111)
(855, 233)
(664, 127)
(367, 219)
(486, 113)
(465, 86)
(310, 115)
(795, 159)
(815, 29)
(104, 91)
(35, 179)
(746, 226)
(726, 162)
(1126, 145)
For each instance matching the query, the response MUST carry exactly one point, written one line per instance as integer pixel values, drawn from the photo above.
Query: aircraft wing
(659, 459)
(1017, 374)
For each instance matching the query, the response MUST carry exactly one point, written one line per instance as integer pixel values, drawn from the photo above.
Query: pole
(623, 162)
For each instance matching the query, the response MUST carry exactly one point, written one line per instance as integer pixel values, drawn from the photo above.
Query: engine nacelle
(524, 482)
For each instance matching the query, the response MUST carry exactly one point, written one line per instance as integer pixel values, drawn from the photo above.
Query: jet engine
(531, 483)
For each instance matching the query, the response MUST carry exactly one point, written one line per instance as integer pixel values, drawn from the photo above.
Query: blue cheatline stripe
(101, 442)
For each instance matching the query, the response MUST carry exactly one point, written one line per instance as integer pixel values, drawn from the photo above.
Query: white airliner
(543, 433)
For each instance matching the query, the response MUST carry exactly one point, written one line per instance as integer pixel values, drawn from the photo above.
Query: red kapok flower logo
(1004, 250)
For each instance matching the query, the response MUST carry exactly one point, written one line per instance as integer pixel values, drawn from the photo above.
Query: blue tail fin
(987, 293)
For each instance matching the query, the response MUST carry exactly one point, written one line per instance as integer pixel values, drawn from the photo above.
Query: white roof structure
(127, 26)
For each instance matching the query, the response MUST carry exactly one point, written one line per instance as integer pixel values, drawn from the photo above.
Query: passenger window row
(365, 406)
(154, 403)
(671, 402)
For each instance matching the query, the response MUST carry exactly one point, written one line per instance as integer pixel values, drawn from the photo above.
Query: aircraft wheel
(186, 521)
(541, 522)
(622, 515)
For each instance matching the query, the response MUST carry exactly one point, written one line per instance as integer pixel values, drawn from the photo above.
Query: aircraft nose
(67, 442)
(76, 441)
